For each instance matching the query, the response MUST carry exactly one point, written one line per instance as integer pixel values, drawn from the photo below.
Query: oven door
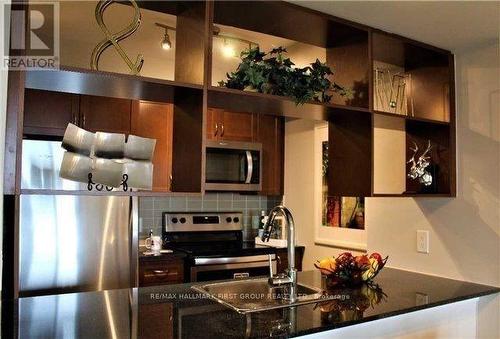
(207, 269)
(233, 166)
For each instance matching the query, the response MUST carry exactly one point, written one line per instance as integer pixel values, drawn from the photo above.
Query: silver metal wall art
(113, 39)
(418, 169)
(105, 160)
(392, 91)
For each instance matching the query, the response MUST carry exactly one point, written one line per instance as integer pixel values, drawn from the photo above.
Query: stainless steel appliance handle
(233, 260)
(225, 267)
(249, 167)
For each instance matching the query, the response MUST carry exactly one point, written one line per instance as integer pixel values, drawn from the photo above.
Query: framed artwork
(339, 221)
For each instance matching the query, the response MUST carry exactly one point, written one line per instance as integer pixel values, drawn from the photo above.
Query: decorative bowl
(350, 270)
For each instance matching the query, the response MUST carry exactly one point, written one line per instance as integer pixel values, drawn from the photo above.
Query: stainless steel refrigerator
(72, 242)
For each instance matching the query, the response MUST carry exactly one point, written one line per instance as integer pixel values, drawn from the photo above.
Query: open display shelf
(307, 35)
(369, 139)
(393, 142)
(410, 78)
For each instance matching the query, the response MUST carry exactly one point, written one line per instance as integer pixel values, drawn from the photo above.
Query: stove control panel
(202, 221)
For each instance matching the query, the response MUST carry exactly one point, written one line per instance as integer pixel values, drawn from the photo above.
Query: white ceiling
(452, 25)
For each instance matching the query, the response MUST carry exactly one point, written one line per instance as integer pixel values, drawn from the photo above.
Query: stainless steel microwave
(233, 166)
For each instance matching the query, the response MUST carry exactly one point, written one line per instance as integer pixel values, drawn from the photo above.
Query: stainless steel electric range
(213, 243)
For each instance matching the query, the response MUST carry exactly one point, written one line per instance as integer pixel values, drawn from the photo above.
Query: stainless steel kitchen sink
(253, 295)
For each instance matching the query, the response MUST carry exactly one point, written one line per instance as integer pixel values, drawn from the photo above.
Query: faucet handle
(271, 273)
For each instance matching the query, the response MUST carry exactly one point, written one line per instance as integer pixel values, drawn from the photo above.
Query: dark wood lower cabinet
(155, 321)
(282, 258)
(166, 271)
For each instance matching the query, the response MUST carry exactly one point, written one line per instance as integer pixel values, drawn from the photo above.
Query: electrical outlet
(422, 241)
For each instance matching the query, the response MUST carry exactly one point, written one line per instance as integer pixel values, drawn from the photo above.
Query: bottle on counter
(262, 222)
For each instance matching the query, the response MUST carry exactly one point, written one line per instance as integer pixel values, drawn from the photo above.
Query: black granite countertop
(178, 311)
(161, 256)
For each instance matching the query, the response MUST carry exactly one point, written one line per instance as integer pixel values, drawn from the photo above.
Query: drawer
(160, 273)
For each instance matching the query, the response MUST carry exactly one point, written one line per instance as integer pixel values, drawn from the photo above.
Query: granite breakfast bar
(177, 311)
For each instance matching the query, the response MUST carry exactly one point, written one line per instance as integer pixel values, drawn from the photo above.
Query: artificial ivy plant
(273, 73)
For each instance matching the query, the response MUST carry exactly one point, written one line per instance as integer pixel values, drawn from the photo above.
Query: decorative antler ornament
(418, 168)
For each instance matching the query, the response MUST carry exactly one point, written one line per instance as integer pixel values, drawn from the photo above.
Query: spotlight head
(165, 43)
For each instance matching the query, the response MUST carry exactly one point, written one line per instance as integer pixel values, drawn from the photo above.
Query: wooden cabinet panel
(48, 113)
(237, 126)
(155, 321)
(155, 120)
(282, 259)
(161, 272)
(212, 129)
(350, 154)
(230, 126)
(105, 114)
(271, 135)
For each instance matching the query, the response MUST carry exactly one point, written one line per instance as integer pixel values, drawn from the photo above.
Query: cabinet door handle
(216, 129)
(222, 130)
(160, 271)
(83, 120)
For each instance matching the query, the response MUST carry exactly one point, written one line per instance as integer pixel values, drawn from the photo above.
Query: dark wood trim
(130, 77)
(187, 141)
(411, 41)
(260, 103)
(13, 132)
(10, 249)
(105, 84)
(453, 129)
(113, 193)
(415, 195)
(401, 116)
(190, 43)
(350, 154)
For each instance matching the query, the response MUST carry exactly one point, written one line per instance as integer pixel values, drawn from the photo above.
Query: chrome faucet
(290, 277)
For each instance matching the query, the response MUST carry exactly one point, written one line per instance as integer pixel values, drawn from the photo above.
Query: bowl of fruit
(350, 270)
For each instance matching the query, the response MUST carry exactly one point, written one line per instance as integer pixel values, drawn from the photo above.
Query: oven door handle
(249, 167)
(233, 260)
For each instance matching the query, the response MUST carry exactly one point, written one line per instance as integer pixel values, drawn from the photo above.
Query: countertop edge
(396, 313)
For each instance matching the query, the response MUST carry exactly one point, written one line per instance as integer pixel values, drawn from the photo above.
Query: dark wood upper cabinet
(230, 126)
(237, 126)
(271, 133)
(48, 113)
(105, 114)
(212, 123)
(154, 120)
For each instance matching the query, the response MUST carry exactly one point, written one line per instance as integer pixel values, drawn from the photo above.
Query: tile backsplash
(151, 208)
